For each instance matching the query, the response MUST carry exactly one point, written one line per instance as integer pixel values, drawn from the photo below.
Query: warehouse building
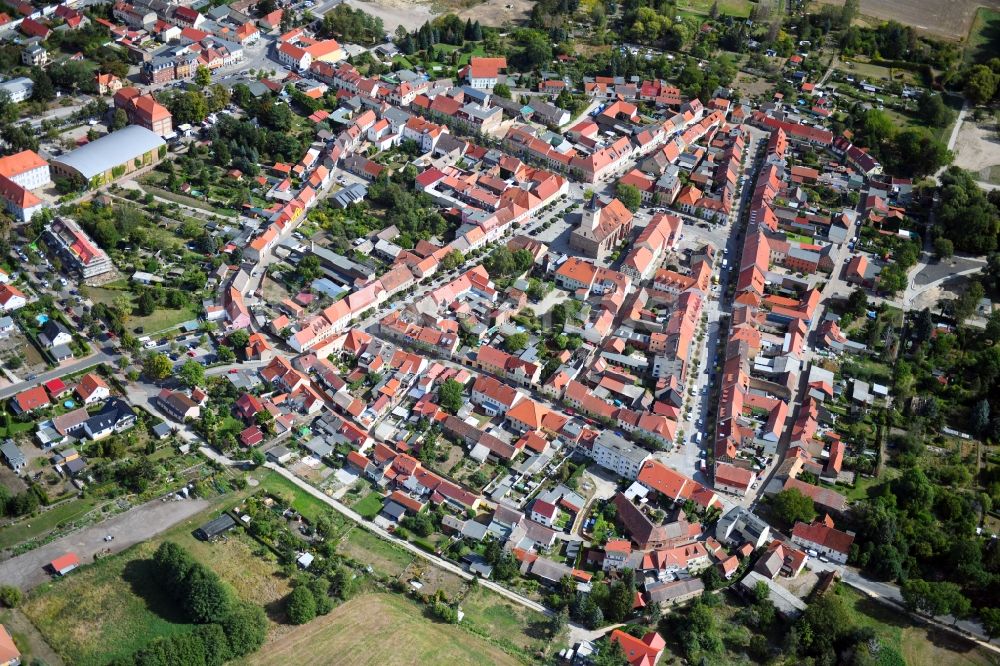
(112, 156)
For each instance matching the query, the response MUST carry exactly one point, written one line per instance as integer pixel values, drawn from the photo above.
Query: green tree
(119, 120)
(980, 84)
(202, 76)
(620, 600)
(876, 128)
(917, 152)
(300, 606)
(421, 524)
(516, 342)
(892, 279)
(791, 506)
(238, 339)
(979, 418)
(849, 12)
(934, 599)
(610, 654)
(933, 110)
(452, 260)
(192, 373)
(225, 354)
(501, 90)
(558, 622)
(206, 599)
(44, 90)
(629, 195)
(146, 303)
(157, 366)
(966, 304)
(944, 248)
(991, 621)
(245, 628)
(857, 302)
(451, 396)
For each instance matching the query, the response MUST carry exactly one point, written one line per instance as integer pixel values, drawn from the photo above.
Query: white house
(619, 455)
(824, 539)
(11, 298)
(544, 512)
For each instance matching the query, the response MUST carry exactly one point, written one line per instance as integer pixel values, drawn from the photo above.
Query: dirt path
(138, 524)
(29, 641)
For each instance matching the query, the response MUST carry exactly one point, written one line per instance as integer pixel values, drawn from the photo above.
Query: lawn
(383, 629)
(16, 428)
(984, 36)
(106, 611)
(42, 523)
(860, 489)
(917, 644)
(310, 507)
(161, 319)
(113, 607)
(506, 622)
(384, 557)
(369, 506)
(737, 8)
(185, 200)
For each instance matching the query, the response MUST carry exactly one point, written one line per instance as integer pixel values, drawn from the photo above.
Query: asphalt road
(135, 525)
(70, 368)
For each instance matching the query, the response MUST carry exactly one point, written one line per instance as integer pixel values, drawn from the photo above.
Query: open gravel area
(138, 524)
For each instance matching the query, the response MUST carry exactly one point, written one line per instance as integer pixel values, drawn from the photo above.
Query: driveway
(138, 524)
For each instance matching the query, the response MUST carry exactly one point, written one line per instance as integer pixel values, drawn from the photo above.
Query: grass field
(369, 505)
(506, 621)
(738, 8)
(185, 200)
(115, 606)
(380, 629)
(106, 611)
(382, 556)
(42, 523)
(310, 507)
(160, 320)
(919, 646)
(984, 36)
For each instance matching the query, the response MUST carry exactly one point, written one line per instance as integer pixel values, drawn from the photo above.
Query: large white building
(19, 89)
(619, 455)
(26, 168)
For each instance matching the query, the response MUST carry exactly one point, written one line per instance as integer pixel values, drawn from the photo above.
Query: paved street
(699, 394)
(68, 369)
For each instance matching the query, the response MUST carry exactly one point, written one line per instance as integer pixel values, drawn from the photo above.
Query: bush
(300, 605)
(10, 596)
(444, 612)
